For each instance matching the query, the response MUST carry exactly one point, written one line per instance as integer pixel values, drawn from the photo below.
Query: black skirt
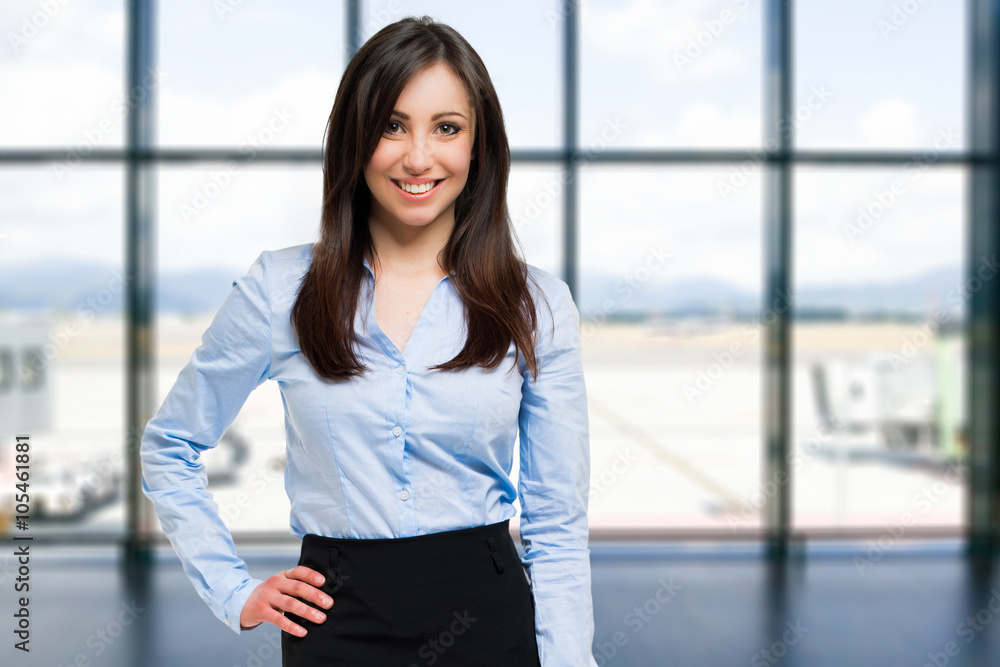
(458, 597)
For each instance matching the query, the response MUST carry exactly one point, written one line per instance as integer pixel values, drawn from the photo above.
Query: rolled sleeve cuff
(564, 614)
(234, 608)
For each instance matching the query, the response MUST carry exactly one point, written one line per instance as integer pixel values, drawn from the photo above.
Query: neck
(409, 251)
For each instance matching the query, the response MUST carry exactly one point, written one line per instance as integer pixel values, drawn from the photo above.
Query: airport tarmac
(662, 454)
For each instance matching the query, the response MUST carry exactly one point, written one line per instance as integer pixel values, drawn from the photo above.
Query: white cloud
(194, 119)
(890, 122)
(257, 208)
(917, 228)
(61, 83)
(705, 124)
(659, 33)
(61, 105)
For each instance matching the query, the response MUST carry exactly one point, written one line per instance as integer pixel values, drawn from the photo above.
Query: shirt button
(400, 370)
(397, 431)
(404, 494)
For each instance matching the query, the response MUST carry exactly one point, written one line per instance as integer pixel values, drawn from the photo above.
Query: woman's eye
(449, 128)
(392, 127)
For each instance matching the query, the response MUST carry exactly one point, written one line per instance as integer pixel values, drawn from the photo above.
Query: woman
(394, 341)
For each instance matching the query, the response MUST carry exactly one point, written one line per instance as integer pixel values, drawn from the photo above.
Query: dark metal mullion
(723, 535)
(983, 327)
(570, 166)
(534, 155)
(777, 232)
(140, 191)
(352, 22)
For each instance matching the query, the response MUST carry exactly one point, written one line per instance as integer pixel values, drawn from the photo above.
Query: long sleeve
(553, 486)
(233, 359)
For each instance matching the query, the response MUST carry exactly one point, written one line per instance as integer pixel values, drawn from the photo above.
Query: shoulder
(275, 275)
(291, 256)
(546, 283)
(283, 268)
(554, 302)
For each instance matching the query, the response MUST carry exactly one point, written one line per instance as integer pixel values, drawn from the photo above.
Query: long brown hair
(480, 255)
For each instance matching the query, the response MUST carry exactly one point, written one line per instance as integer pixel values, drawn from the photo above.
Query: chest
(399, 304)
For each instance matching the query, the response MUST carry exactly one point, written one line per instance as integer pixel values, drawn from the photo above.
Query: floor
(655, 604)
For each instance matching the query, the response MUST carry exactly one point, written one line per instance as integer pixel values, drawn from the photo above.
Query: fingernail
(319, 581)
(327, 601)
(320, 617)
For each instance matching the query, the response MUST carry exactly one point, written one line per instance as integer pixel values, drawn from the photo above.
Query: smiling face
(422, 162)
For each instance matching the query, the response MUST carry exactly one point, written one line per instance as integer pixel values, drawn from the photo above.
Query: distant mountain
(610, 295)
(919, 294)
(71, 285)
(705, 296)
(67, 285)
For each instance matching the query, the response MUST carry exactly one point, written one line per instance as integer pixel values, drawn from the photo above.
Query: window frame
(140, 157)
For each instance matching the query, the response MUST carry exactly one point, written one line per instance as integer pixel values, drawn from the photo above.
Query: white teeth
(416, 189)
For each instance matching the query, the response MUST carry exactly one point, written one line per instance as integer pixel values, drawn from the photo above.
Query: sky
(667, 74)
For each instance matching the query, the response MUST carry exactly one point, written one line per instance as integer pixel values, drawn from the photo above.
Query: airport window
(763, 211)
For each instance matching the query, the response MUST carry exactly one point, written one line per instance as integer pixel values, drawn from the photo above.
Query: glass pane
(670, 297)
(527, 76)
(535, 201)
(248, 75)
(61, 72)
(878, 347)
(209, 236)
(62, 290)
(670, 74)
(894, 73)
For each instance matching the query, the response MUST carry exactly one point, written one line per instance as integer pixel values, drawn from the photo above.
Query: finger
(301, 589)
(300, 608)
(308, 575)
(285, 623)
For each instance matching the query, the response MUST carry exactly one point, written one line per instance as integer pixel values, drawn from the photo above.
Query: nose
(417, 158)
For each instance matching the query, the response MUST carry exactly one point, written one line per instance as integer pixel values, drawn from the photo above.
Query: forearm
(192, 524)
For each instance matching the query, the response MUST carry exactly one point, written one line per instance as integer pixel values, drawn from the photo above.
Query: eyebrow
(434, 117)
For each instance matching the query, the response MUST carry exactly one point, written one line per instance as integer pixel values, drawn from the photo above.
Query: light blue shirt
(397, 452)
